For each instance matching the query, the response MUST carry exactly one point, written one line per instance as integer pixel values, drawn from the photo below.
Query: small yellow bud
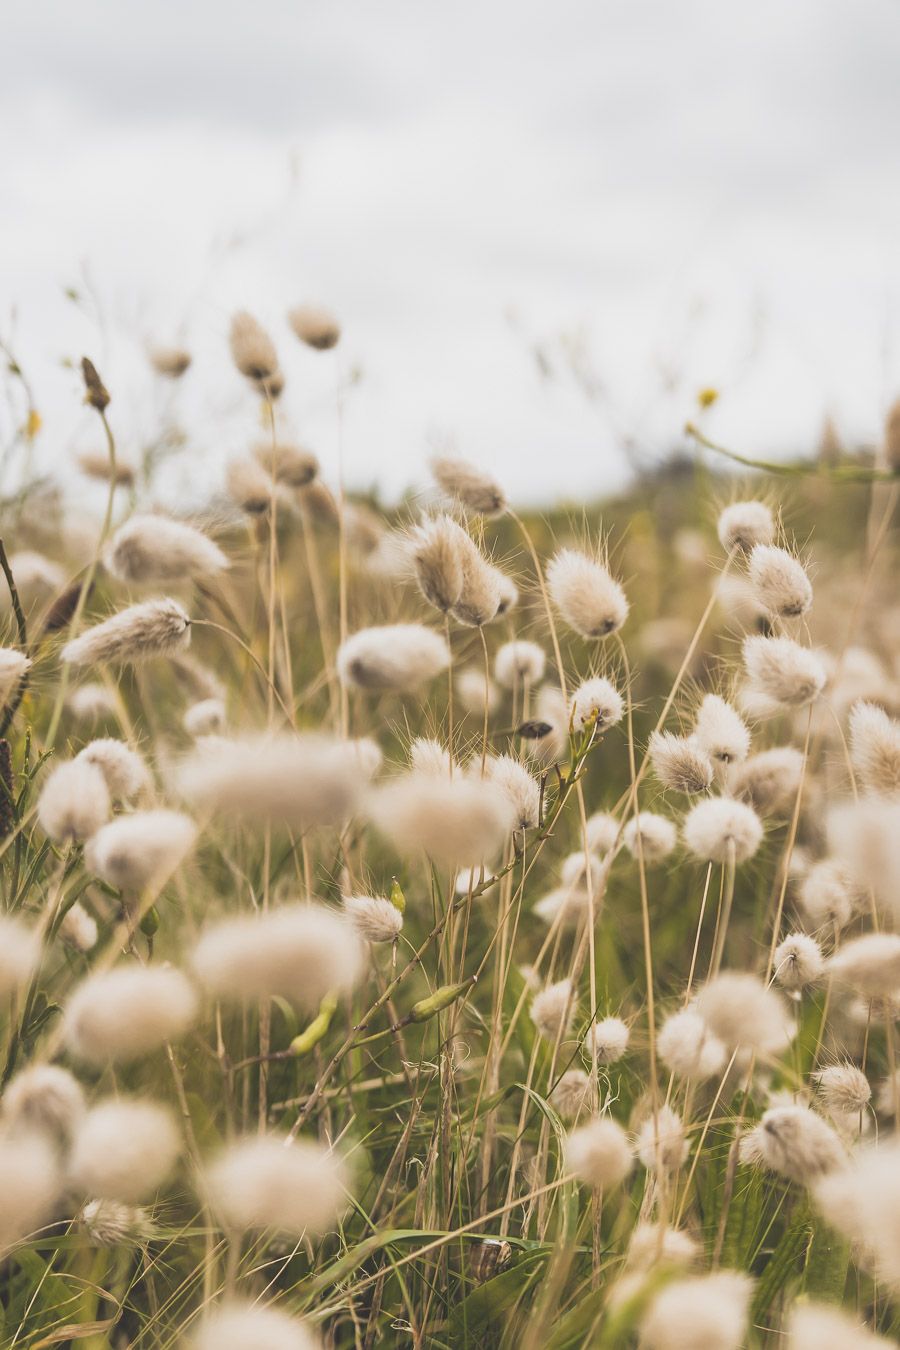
(397, 898)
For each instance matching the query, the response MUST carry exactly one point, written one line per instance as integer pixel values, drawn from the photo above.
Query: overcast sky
(655, 195)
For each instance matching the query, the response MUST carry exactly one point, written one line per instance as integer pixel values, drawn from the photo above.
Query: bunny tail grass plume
(519, 662)
(300, 952)
(268, 1182)
(397, 657)
(820, 1326)
(869, 965)
(250, 488)
(721, 731)
(315, 326)
(829, 894)
(843, 1088)
(509, 591)
(435, 548)
(96, 464)
(587, 597)
(781, 585)
(375, 919)
(552, 1010)
(798, 962)
(650, 836)
(20, 952)
(770, 780)
(13, 666)
(688, 1048)
(287, 464)
(650, 1246)
(150, 548)
(44, 1100)
(30, 1184)
(744, 1014)
(701, 1312)
(745, 525)
(172, 362)
(459, 822)
(609, 1039)
(206, 718)
(472, 692)
(124, 771)
(601, 833)
(782, 672)
(109, 1223)
(252, 350)
(519, 786)
(660, 1142)
(598, 1154)
(430, 757)
(862, 1201)
(596, 703)
(875, 748)
(469, 485)
(78, 929)
(571, 1095)
(141, 851)
(796, 1143)
(91, 702)
(680, 763)
(295, 781)
(865, 836)
(118, 1015)
(154, 628)
(74, 802)
(252, 1326)
(37, 577)
(124, 1149)
(720, 828)
(481, 593)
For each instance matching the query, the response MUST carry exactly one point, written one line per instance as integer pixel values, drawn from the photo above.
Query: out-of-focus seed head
(268, 1182)
(468, 484)
(43, 1099)
(820, 1326)
(124, 771)
(680, 763)
(252, 1326)
(172, 362)
(315, 326)
(796, 1143)
(252, 350)
(829, 894)
(596, 703)
(74, 802)
(781, 584)
(139, 852)
(598, 1154)
(843, 1087)
(869, 965)
(518, 663)
(155, 548)
(154, 628)
(519, 786)
(650, 836)
(124, 1149)
(119, 1015)
(13, 666)
(703, 1310)
(660, 1142)
(769, 781)
(78, 928)
(744, 525)
(602, 832)
(609, 1038)
(552, 1010)
(474, 692)
(398, 657)
(587, 597)
(436, 549)
(783, 672)
(20, 951)
(688, 1048)
(571, 1095)
(720, 829)
(798, 962)
(95, 393)
(744, 1014)
(206, 718)
(30, 1184)
(875, 748)
(91, 702)
(458, 822)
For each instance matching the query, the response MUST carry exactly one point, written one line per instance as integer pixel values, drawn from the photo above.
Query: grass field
(449, 927)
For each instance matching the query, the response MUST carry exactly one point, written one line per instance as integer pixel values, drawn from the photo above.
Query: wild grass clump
(443, 927)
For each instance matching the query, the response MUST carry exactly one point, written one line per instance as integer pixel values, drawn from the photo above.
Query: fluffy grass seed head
(844, 1088)
(780, 582)
(430, 757)
(458, 822)
(721, 731)
(397, 657)
(154, 548)
(660, 1142)
(865, 836)
(139, 852)
(299, 952)
(124, 771)
(798, 962)
(609, 1037)
(172, 362)
(153, 628)
(45, 1100)
(30, 1184)
(78, 928)
(700, 1312)
(720, 828)
(20, 951)
(596, 703)
(783, 672)
(91, 702)
(680, 763)
(744, 1014)
(829, 894)
(869, 965)
(268, 1182)
(468, 484)
(769, 781)
(649, 1247)
(875, 748)
(474, 693)
(287, 464)
(109, 1223)
(650, 836)
(252, 1326)
(374, 918)
(519, 662)
(118, 1015)
(519, 786)
(598, 1154)
(745, 525)
(687, 1047)
(571, 1094)
(552, 1010)
(481, 594)
(252, 350)
(315, 326)
(124, 1149)
(601, 833)
(585, 594)
(206, 718)
(74, 802)
(796, 1143)
(436, 551)
(13, 665)
(821, 1326)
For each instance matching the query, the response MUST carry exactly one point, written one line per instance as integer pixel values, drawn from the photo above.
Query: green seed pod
(150, 922)
(442, 998)
(310, 1037)
(397, 898)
